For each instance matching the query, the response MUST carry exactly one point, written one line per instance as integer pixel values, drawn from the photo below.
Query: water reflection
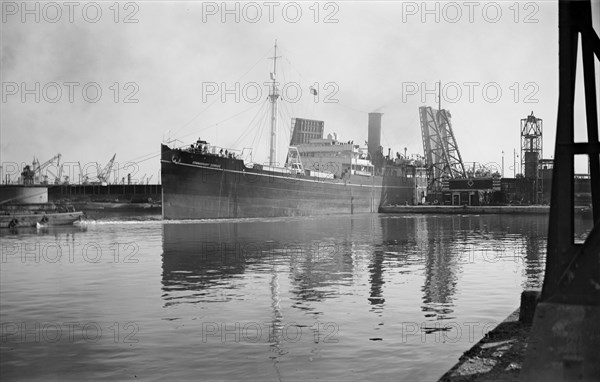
(202, 293)
(197, 257)
(534, 252)
(376, 279)
(357, 279)
(200, 256)
(56, 231)
(441, 266)
(325, 258)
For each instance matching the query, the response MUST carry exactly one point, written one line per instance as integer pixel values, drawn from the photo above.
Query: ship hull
(209, 187)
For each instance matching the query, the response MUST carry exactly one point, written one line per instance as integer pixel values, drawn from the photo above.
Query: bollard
(529, 300)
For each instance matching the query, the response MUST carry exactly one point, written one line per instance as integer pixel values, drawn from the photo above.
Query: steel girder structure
(440, 147)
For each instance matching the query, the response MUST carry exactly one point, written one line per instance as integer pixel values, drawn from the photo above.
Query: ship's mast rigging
(273, 96)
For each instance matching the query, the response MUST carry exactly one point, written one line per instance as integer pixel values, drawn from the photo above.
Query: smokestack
(374, 134)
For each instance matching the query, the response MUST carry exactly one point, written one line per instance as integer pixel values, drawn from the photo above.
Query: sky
(92, 79)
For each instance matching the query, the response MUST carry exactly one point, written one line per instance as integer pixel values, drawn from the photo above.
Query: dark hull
(197, 186)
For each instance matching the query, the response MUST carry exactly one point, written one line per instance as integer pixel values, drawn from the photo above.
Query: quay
(94, 201)
(497, 357)
(500, 354)
(81, 193)
(466, 210)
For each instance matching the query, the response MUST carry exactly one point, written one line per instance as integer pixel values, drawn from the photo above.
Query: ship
(28, 206)
(321, 175)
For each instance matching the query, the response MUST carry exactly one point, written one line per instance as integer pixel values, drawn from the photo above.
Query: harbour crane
(58, 175)
(37, 168)
(104, 174)
(83, 179)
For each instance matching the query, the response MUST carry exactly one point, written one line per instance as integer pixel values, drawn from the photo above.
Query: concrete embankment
(499, 356)
(462, 210)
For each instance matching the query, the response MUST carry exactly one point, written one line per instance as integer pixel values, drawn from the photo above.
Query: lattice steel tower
(531, 153)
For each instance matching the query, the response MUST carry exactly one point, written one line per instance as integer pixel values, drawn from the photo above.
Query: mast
(439, 113)
(440, 95)
(273, 96)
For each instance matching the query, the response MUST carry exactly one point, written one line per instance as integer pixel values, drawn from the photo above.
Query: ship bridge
(339, 158)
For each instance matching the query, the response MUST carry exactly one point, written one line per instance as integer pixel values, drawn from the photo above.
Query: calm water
(376, 297)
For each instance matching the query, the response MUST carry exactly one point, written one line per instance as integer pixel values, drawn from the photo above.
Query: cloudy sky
(94, 79)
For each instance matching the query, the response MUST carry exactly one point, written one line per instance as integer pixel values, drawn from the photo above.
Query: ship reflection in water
(320, 293)
(354, 297)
